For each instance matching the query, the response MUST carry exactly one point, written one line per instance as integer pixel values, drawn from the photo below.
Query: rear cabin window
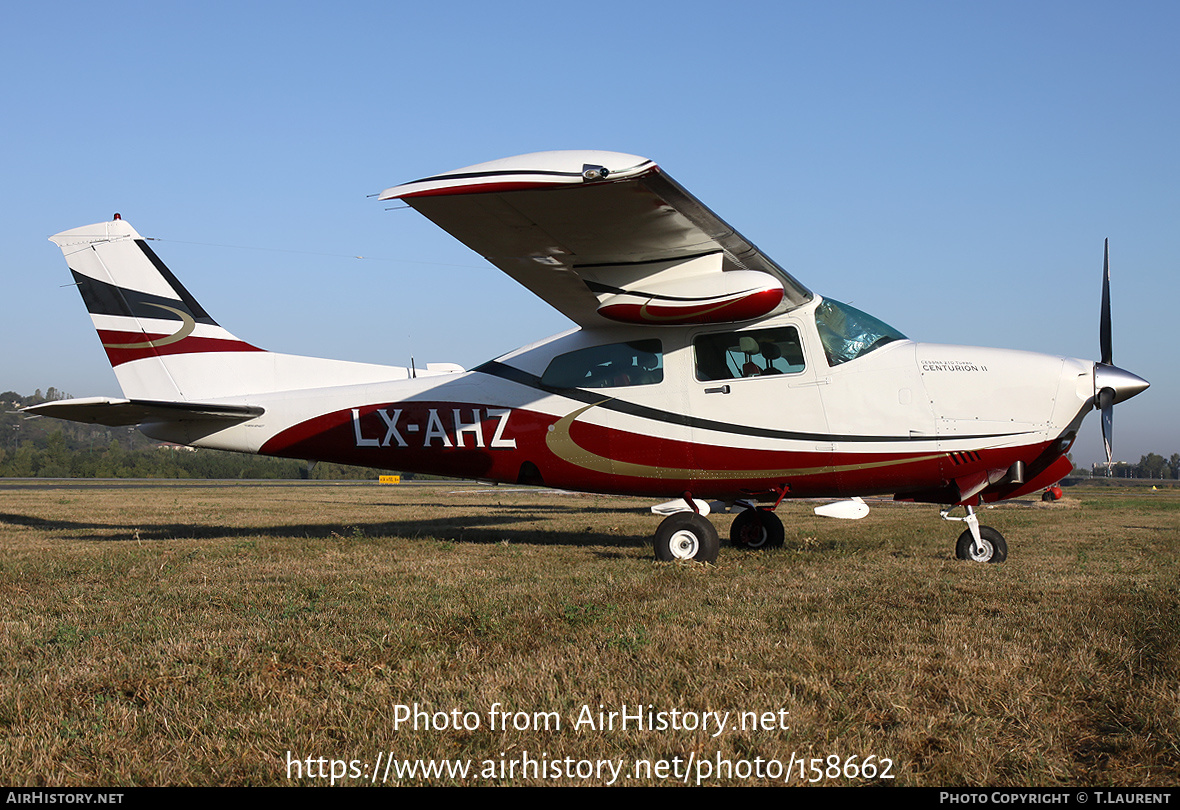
(637, 362)
(757, 353)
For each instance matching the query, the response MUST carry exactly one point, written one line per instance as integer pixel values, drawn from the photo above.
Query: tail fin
(162, 344)
(142, 313)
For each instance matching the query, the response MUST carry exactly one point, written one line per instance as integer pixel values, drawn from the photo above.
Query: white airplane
(698, 370)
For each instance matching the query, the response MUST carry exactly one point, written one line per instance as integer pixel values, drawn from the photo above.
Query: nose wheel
(978, 543)
(991, 548)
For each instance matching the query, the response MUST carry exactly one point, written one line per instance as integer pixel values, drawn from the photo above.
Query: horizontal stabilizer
(124, 412)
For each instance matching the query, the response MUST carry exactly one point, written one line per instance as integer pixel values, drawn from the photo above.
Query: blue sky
(949, 167)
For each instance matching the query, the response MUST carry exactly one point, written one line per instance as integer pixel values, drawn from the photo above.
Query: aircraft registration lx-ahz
(698, 370)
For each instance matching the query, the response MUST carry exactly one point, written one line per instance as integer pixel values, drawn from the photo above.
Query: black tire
(995, 547)
(756, 528)
(687, 536)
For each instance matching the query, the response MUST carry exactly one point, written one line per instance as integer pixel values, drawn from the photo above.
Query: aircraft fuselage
(931, 422)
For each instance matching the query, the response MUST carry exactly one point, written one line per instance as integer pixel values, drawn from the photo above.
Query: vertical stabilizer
(164, 346)
(144, 316)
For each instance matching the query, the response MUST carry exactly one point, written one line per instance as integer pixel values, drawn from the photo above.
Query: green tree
(1152, 466)
(24, 461)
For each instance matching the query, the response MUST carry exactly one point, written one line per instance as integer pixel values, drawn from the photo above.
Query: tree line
(1152, 465)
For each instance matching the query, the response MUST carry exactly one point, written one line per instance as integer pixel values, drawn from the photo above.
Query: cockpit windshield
(847, 333)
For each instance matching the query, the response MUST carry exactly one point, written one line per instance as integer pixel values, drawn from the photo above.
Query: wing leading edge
(605, 237)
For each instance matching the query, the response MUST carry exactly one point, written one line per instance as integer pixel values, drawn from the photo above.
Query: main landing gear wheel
(995, 547)
(687, 536)
(756, 528)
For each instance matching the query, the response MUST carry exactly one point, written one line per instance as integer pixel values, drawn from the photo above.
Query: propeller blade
(1104, 322)
(1106, 402)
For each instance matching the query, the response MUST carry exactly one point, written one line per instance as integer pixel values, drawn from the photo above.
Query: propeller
(1104, 323)
(1111, 383)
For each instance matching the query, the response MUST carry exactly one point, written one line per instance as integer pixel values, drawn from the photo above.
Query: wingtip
(522, 172)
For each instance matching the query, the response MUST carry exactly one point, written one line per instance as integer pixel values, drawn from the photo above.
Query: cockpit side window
(847, 333)
(637, 362)
(757, 353)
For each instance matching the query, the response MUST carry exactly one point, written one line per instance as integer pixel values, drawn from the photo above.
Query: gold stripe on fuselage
(562, 445)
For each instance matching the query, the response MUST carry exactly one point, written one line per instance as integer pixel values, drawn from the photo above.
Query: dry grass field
(272, 634)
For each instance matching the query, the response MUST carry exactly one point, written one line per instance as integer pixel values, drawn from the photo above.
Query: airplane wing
(124, 412)
(605, 237)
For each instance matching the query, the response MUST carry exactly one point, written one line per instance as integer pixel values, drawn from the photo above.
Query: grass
(205, 635)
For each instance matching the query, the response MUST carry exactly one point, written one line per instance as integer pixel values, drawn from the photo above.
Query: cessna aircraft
(698, 370)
